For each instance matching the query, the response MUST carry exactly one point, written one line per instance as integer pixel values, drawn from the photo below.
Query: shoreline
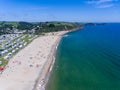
(53, 55)
(35, 60)
(41, 82)
(43, 79)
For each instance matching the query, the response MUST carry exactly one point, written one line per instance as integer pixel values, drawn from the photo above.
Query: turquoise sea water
(88, 59)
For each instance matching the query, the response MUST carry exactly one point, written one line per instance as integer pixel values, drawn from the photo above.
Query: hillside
(36, 27)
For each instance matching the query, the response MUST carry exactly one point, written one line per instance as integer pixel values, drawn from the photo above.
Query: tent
(1, 69)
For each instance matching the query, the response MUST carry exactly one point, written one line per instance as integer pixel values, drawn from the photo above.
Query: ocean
(88, 59)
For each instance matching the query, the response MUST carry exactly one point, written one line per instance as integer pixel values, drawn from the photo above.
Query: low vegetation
(37, 28)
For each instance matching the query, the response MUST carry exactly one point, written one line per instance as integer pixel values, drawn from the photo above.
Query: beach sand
(28, 69)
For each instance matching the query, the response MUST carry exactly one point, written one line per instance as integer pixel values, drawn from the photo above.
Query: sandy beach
(28, 69)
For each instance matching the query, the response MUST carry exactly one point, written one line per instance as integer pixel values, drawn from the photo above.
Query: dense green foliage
(7, 27)
(36, 28)
(24, 26)
(54, 26)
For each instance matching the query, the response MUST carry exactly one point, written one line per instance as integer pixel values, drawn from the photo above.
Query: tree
(51, 25)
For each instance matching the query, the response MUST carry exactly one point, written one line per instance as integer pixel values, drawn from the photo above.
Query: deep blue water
(88, 59)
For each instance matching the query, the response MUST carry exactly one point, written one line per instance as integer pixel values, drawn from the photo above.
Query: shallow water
(88, 59)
